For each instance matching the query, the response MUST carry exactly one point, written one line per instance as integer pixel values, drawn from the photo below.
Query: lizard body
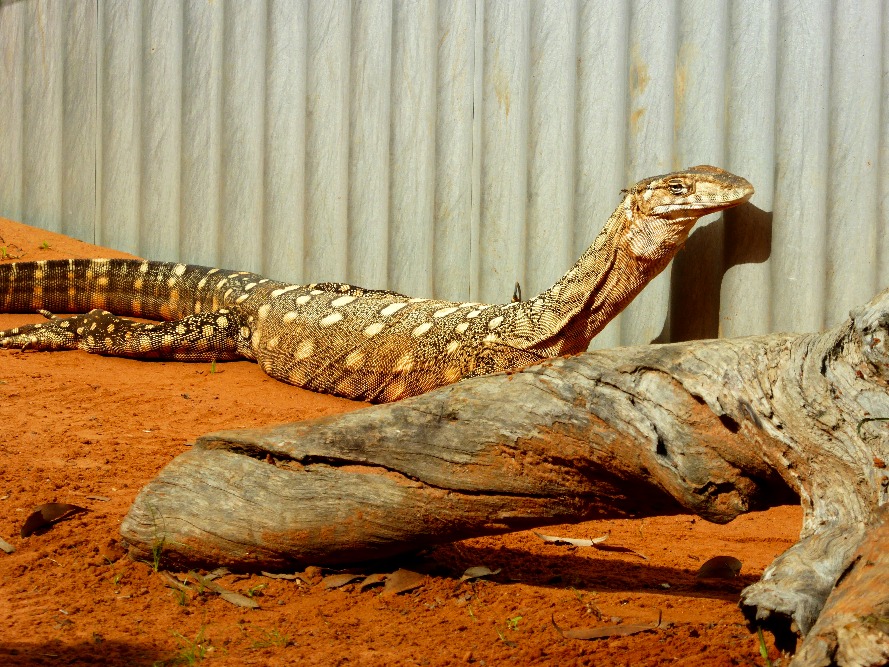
(337, 338)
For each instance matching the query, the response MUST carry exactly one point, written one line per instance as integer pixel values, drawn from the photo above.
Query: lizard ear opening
(639, 204)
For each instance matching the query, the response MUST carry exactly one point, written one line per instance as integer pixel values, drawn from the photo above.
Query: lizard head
(692, 193)
(661, 210)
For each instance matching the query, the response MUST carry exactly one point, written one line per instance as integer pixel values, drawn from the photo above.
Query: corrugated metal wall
(454, 148)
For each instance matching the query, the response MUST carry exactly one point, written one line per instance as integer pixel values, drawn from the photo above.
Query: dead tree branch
(713, 427)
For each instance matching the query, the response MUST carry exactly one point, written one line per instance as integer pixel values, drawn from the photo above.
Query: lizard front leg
(219, 335)
(497, 356)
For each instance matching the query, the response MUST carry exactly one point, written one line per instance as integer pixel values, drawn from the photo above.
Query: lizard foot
(57, 334)
(211, 336)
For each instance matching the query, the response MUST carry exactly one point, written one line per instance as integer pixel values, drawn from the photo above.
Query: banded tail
(132, 287)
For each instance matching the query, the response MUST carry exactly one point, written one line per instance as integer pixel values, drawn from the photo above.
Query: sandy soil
(89, 430)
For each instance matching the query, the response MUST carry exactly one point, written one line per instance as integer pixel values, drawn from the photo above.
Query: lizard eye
(676, 187)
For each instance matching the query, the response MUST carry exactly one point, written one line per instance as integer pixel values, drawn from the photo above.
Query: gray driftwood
(713, 427)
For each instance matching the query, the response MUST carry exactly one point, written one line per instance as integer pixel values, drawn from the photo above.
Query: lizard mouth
(681, 210)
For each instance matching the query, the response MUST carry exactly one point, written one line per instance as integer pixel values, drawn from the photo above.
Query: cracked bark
(713, 427)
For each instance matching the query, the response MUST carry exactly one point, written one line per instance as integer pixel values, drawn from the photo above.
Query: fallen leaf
(337, 580)
(477, 572)
(311, 575)
(227, 595)
(604, 631)
(6, 546)
(275, 575)
(172, 582)
(402, 581)
(237, 599)
(372, 580)
(573, 541)
(720, 567)
(595, 543)
(49, 514)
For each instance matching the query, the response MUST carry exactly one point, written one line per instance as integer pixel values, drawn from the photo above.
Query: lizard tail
(153, 290)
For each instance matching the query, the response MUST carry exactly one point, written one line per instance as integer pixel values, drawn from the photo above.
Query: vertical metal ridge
(161, 130)
(121, 34)
(746, 294)
(97, 145)
(327, 130)
(242, 134)
(504, 145)
(42, 126)
(412, 147)
(201, 118)
(452, 259)
(854, 131)
(370, 127)
(551, 151)
(799, 232)
(12, 108)
(883, 165)
(603, 127)
(285, 141)
(653, 39)
(699, 111)
(79, 119)
(478, 73)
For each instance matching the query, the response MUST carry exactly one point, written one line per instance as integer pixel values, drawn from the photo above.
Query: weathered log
(853, 628)
(715, 427)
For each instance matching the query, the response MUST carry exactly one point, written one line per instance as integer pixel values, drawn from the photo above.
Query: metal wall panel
(801, 167)
(602, 128)
(700, 84)
(456, 208)
(883, 156)
(161, 110)
(412, 146)
(49, 110)
(370, 111)
(505, 107)
(453, 148)
(285, 139)
(119, 159)
(745, 303)
(854, 136)
(42, 126)
(551, 143)
(12, 85)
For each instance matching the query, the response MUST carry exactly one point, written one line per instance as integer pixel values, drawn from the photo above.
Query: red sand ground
(77, 425)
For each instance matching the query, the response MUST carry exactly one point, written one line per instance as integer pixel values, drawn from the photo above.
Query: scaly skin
(341, 339)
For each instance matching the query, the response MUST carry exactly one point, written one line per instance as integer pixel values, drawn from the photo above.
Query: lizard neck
(628, 252)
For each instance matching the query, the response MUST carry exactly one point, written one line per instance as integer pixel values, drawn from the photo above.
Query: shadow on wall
(742, 235)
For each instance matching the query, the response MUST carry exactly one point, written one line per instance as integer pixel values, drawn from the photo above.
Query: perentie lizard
(336, 338)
